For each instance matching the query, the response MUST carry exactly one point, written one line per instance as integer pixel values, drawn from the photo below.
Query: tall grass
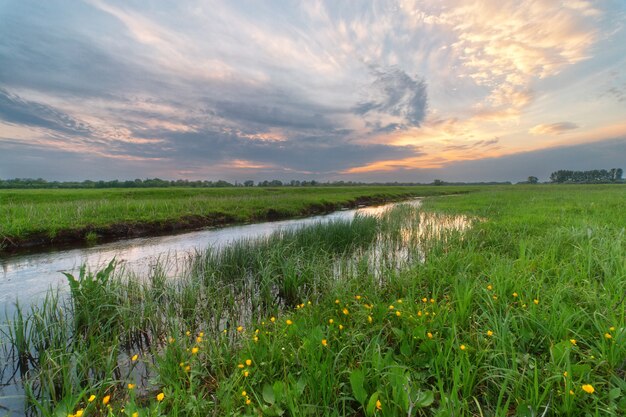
(521, 314)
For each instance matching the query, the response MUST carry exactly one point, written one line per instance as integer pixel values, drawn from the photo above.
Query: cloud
(16, 110)
(394, 93)
(553, 128)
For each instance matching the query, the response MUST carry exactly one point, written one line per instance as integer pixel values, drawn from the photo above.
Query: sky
(403, 90)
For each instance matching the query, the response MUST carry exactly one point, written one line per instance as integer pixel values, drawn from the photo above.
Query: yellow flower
(289, 322)
(430, 335)
(495, 297)
(432, 301)
(398, 313)
(199, 339)
(571, 392)
(248, 362)
(79, 413)
(256, 339)
(369, 319)
(248, 401)
(273, 319)
(171, 339)
(131, 386)
(588, 388)
(463, 347)
(337, 301)
(194, 350)
(188, 333)
(391, 307)
(399, 301)
(345, 311)
(134, 358)
(331, 321)
(243, 393)
(340, 327)
(489, 333)
(612, 328)
(201, 334)
(536, 301)
(187, 368)
(565, 374)
(358, 297)
(379, 405)
(489, 287)
(419, 313)
(240, 366)
(135, 414)
(160, 397)
(515, 294)
(91, 398)
(608, 335)
(106, 399)
(246, 374)
(572, 341)
(240, 328)
(70, 415)
(324, 342)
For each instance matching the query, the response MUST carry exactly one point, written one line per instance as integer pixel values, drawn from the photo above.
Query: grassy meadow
(520, 314)
(72, 216)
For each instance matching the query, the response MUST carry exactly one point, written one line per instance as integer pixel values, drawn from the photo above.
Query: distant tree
(438, 182)
(533, 180)
(248, 183)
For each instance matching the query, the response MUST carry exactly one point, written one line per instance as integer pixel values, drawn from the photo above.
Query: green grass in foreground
(29, 212)
(523, 314)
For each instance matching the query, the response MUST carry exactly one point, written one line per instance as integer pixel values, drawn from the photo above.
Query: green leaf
(371, 405)
(615, 393)
(560, 351)
(424, 399)
(357, 379)
(279, 391)
(268, 394)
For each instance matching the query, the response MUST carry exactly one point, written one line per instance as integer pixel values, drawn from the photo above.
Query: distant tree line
(30, 183)
(594, 176)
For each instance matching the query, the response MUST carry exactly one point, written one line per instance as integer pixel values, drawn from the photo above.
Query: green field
(522, 314)
(69, 216)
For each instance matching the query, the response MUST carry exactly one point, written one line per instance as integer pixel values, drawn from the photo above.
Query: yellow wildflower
(572, 341)
(171, 339)
(188, 333)
(612, 328)
(194, 350)
(324, 342)
(255, 338)
(201, 334)
(515, 294)
(369, 319)
(424, 299)
(340, 327)
(135, 414)
(289, 322)
(331, 321)
(273, 319)
(358, 297)
(131, 386)
(248, 401)
(91, 398)
(571, 392)
(398, 313)
(345, 311)
(463, 347)
(337, 301)
(106, 399)
(608, 335)
(243, 393)
(240, 366)
(240, 328)
(565, 374)
(379, 405)
(248, 362)
(391, 307)
(160, 397)
(134, 358)
(198, 339)
(246, 373)
(536, 301)
(489, 333)
(399, 301)
(187, 368)
(588, 388)
(79, 413)
(430, 335)
(489, 287)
